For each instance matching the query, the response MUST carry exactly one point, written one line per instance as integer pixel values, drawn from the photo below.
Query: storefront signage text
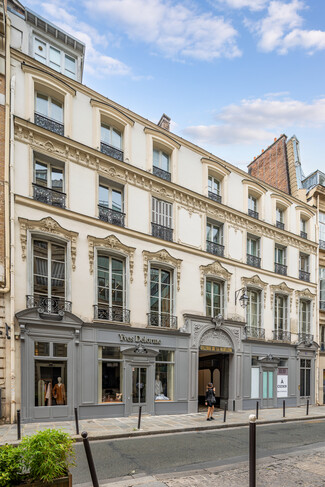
(139, 339)
(282, 383)
(211, 348)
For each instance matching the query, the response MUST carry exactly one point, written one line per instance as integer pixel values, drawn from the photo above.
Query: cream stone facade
(123, 236)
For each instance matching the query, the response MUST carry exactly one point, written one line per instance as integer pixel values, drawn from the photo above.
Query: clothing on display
(59, 392)
(161, 397)
(158, 386)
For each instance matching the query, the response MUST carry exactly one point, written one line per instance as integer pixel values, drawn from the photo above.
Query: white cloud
(258, 120)
(174, 29)
(251, 4)
(281, 29)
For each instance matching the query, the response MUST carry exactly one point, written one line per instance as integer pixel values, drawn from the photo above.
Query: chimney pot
(274, 139)
(164, 122)
(262, 150)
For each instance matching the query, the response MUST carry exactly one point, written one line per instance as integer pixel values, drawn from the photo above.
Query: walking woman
(210, 400)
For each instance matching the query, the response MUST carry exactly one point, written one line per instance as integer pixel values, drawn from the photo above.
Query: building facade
(134, 251)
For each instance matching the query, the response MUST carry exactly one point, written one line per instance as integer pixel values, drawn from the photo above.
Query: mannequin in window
(59, 392)
(158, 386)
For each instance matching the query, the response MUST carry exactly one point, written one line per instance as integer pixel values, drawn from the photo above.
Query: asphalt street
(176, 452)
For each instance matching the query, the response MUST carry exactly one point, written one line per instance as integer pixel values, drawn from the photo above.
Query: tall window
(49, 274)
(304, 316)
(215, 238)
(305, 371)
(280, 218)
(322, 287)
(49, 107)
(164, 378)
(253, 309)
(253, 251)
(162, 219)
(111, 136)
(214, 298)
(322, 229)
(161, 297)
(214, 189)
(322, 338)
(252, 206)
(49, 183)
(110, 287)
(303, 228)
(304, 267)
(55, 58)
(280, 312)
(110, 375)
(280, 261)
(161, 160)
(110, 204)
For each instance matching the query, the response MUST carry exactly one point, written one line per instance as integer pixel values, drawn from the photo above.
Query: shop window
(253, 309)
(48, 185)
(49, 113)
(110, 375)
(51, 388)
(305, 372)
(161, 164)
(111, 141)
(110, 204)
(253, 251)
(162, 219)
(164, 378)
(161, 298)
(215, 238)
(55, 58)
(214, 298)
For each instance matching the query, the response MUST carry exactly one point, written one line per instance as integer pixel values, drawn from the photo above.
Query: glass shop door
(139, 388)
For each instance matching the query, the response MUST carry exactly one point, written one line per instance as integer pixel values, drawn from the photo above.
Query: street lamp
(243, 298)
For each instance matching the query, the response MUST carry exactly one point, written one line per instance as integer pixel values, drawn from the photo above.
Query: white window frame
(49, 167)
(252, 203)
(124, 292)
(222, 296)
(162, 213)
(160, 152)
(62, 67)
(219, 227)
(157, 266)
(278, 248)
(250, 240)
(279, 215)
(276, 320)
(322, 226)
(212, 181)
(49, 104)
(110, 188)
(259, 307)
(49, 276)
(305, 323)
(111, 129)
(303, 262)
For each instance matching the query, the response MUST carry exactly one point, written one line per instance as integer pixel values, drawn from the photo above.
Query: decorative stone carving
(50, 227)
(305, 294)
(110, 243)
(281, 289)
(256, 282)
(216, 338)
(164, 257)
(215, 270)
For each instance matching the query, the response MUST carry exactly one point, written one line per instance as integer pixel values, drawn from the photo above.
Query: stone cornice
(57, 146)
(45, 74)
(109, 243)
(113, 109)
(163, 136)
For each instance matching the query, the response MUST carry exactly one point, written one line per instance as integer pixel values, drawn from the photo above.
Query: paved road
(172, 453)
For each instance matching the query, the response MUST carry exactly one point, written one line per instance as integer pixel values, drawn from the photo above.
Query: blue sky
(231, 74)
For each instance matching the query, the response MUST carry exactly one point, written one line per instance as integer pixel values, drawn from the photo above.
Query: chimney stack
(164, 122)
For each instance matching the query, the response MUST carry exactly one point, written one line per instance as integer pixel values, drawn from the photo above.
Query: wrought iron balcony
(111, 216)
(48, 124)
(280, 225)
(322, 305)
(282, 335)
(215, 248)
(49, 196)
(280, 269)
(255, 332)
(214, 196)
(161, 173)
(159, 231)
(322, 244)
(253, 260)
(253, 213)
(304, 276)
(111, 313)
(305, 337)
(111, 151)
(46, 305)
(303, 234)
(163, 320)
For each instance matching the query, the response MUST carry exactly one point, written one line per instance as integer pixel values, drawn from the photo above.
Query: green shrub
(11, 465)
(47, 454)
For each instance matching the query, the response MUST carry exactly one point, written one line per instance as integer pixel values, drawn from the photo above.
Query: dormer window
(161, 164)
(214, 189)
(55, 58)
(303, 228)
(252, 206)
(280, 218)
(111, 141)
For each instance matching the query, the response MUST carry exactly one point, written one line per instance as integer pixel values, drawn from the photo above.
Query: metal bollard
(252, 450)
(234, 405)
(284, 408)
(18, 425)
(307, 408)
(225, 412)
(90, 460)
(139, 417)
(77, 420)
(256, 409)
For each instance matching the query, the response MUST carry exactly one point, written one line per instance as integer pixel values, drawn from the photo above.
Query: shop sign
(211, 348)
(282, 383)
(139, 339)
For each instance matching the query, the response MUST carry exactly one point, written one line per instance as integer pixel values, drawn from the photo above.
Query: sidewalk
(111, 428)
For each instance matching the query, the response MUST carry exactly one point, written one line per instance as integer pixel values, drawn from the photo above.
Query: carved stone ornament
(110, 243)
(48, 226)
(281, 289)
(215, 270)
(256, 282)
(164, 257)
(216, 338)
(304, 294)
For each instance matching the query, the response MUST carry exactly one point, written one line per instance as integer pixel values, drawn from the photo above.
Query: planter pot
(61, 482)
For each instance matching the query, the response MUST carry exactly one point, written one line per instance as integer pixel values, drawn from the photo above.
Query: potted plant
(42, 459)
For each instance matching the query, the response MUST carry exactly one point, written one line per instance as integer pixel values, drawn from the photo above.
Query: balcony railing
(283, 335)
(305, 337)
(322, 305)
(46, 305)
(111, 151)
(163, 320)
(111, 216)
(303, 234)
(280, 269)
(253, 213)
(215, 248)
(48, 124)
(304, 276)
(161, 173)
(322, 244)
(253, 260)
(255, 332)
(111, 313)
(49, 196)
(280, 225)
(214, 196)
(159, 231)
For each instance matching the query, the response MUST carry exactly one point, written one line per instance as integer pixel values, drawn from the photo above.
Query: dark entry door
(139, 388)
